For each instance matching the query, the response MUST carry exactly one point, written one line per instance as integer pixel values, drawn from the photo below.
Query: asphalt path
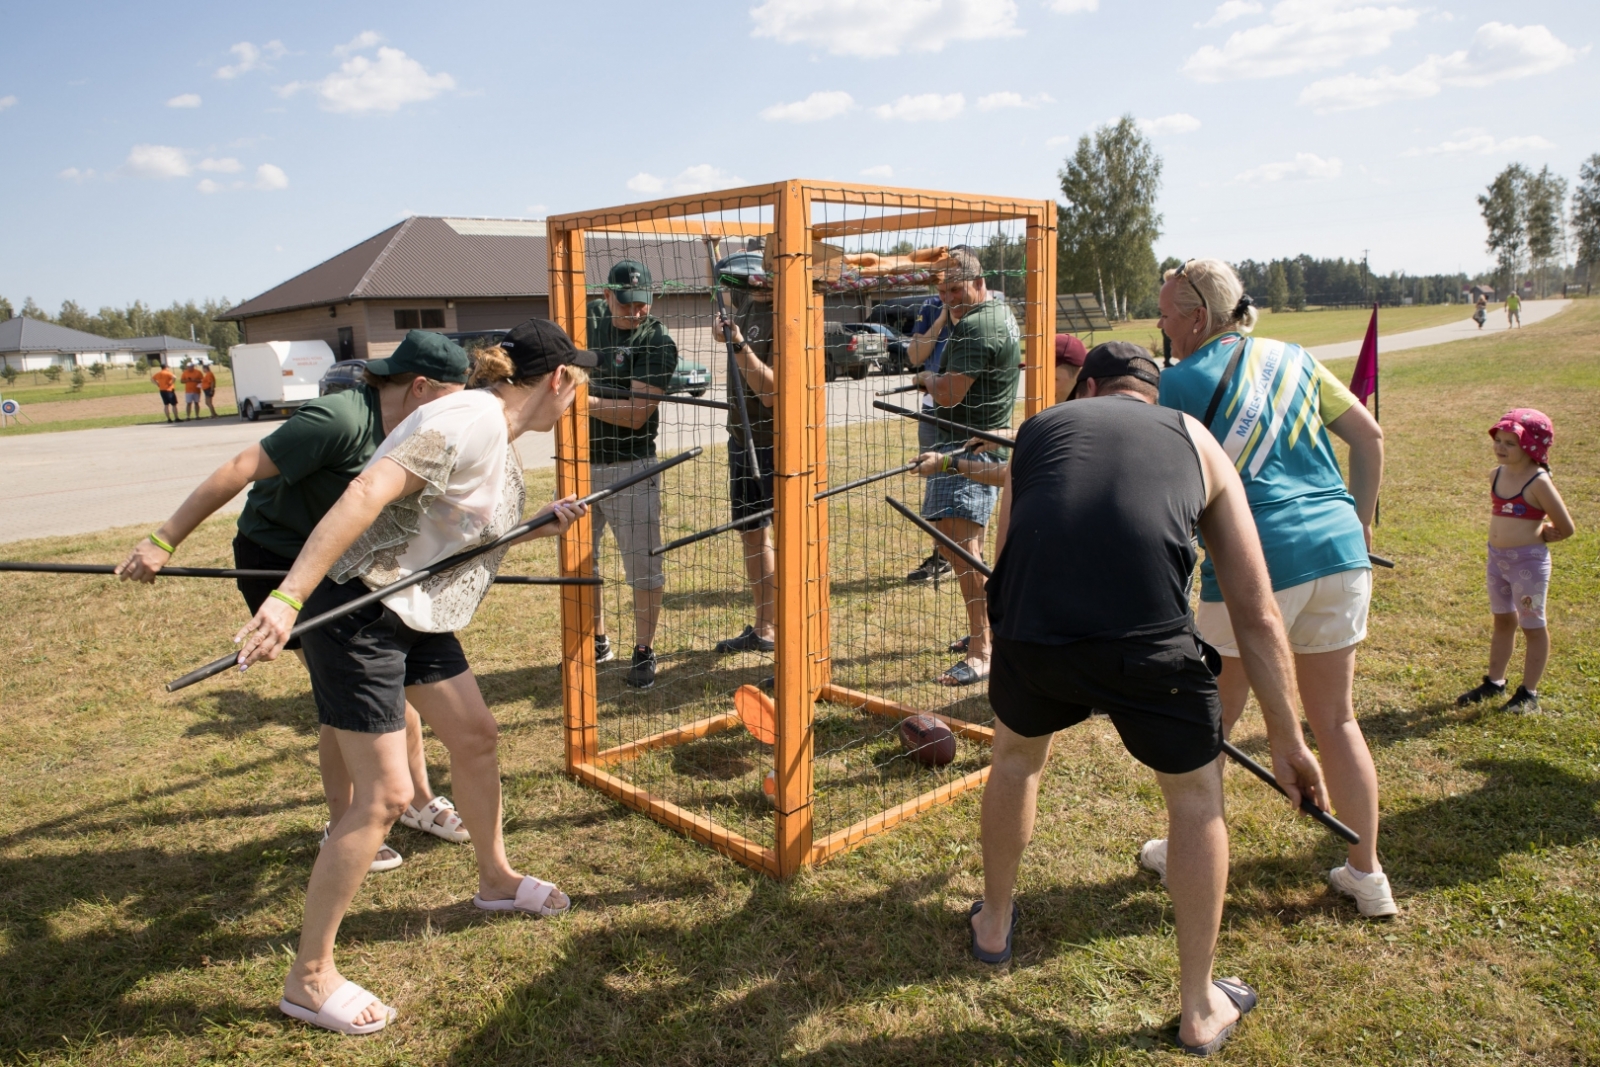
(1532, 311)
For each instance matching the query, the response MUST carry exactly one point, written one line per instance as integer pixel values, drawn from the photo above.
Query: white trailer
(277, 375)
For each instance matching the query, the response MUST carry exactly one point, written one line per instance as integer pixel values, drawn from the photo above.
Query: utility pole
(1366, 295)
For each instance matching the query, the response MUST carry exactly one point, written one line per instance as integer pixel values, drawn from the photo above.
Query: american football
(927, 740)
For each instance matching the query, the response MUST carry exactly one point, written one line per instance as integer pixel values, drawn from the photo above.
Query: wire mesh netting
(885, 612)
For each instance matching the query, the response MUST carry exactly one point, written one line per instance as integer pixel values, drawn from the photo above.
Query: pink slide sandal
(339, 1011)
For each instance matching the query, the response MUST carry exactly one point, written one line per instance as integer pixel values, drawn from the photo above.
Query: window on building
(433, 318)
(424, 319)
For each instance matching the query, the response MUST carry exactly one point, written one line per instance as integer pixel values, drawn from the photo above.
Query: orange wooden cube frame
(802, 652)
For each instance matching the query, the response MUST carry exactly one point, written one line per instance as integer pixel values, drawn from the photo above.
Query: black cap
(630, 280)
(1118, 359)
(432, 355)
(539, 346)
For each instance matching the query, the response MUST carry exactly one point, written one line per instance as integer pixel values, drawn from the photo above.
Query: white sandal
(530, 899)
(439, 818)
(339, 1011)
(387, 858)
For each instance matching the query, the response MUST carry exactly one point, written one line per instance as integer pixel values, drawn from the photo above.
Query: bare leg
(970, 536)
(1325, 683)
(646, 611)
(377, 764)
(1537, 654)
(1010, 800)
(455, 710)
(1197, 877)
(1502, 645)
(760, 566)
(336, 784)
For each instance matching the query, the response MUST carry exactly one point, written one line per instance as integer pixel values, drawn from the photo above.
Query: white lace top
(458, 446)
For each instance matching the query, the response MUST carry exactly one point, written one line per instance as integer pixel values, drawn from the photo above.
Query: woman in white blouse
(445, 480)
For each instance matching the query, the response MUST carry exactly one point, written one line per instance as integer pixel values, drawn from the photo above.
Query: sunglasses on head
(1183, 272)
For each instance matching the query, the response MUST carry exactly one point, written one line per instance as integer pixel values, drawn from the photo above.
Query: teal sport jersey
(1272, 422)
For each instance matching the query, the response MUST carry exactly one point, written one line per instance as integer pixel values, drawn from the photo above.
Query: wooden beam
(851, 698)
(720, 201)
(667, 738)
(687, 228)
(699, 827)
(928, 219)
(907, 199)
(1038, 332)
(851, 836)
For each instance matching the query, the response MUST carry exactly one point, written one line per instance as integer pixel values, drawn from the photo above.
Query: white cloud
(73, 174)
(7, 101)
(1301, 35)
(359, 43)
(882, 170)
(271, 177)
(185, 100)
(1227, 12)
(1304, 166)
(698, 179)
(1475, 141)
(208, 186)
(225, 165)
(1178, 122)
(251, 58)
(923, 107)
(814, 108)
(1073, 7)
(361, 85)
(996, 100)
(1497, 53)
(883, 27)
(158, 161)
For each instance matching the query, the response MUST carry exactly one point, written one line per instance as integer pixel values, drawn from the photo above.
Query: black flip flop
(960, 647)
(1244, 998)
(962, 674)
(994, 959)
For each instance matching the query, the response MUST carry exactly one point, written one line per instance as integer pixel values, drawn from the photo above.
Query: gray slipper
(1244, 998)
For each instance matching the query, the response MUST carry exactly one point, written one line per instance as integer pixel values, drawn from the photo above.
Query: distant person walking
(1521, 528)
(192, 377)
(1513, 311)
(165, 381)
(1481, 315)
(208, 386)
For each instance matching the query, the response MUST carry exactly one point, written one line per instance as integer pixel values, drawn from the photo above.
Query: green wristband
(155, 539)
(279, 594)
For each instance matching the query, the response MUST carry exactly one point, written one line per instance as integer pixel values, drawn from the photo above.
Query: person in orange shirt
(165, 380)
(208, 385)
(192, 377)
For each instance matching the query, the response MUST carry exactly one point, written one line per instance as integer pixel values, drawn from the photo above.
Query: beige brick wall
(308, 324)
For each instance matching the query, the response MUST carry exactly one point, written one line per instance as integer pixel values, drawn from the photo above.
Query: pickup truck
(847, 352)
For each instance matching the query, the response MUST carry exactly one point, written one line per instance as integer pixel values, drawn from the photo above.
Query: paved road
(1532, 311)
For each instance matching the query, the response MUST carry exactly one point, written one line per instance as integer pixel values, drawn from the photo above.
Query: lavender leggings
(1518, 581)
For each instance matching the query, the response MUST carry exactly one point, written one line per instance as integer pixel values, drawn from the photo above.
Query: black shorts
(361, 664)
(169, 396)
(249, 556)
(1157, 690)
(749, 492)
(210, 393)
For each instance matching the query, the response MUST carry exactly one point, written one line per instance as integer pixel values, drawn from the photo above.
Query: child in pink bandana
(1522, 524)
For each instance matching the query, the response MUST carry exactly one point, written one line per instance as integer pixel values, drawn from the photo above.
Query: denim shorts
(361, 664)
(955, 496)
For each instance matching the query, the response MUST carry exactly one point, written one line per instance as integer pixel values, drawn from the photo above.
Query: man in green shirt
(976, 386)
(637, 355)
(295, 474)
(1513, 310)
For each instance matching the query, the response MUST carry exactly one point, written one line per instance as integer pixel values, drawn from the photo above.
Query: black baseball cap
(432, 355)
(630, 280)
(1118, 359)
(539, 346)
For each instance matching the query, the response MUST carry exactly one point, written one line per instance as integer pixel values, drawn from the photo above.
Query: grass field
(32, 388)
(1312, 328)
(156, 847)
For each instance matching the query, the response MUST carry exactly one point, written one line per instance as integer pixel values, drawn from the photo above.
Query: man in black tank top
(1089, 605)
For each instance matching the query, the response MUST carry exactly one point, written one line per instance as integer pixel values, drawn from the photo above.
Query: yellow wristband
(949, 464)
(279, 594)
(155, 539)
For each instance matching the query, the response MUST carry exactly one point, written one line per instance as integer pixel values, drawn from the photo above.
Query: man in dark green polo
(295, 474)
(637, 355)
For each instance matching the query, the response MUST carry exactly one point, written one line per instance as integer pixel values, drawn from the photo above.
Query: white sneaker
(1153, 857)
(1372, 895)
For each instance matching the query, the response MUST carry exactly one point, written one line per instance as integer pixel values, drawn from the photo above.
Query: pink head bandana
(1533, 429)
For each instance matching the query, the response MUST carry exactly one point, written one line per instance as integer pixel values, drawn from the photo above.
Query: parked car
(899, 346)
(689, 377)
(345, 374)
(855, 354)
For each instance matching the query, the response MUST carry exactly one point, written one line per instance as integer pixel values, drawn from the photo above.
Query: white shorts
(1322, 615)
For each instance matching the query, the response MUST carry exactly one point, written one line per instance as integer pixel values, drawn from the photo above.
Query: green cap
(432, 355)
(630, 280)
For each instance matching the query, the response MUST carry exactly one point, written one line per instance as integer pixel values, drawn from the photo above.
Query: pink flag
(1365, 380)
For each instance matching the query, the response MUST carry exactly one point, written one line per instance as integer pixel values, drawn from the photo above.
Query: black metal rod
(1306, 804)
(982, 435)
(602, 393)
(769, 512)
(913, 387)
(1379, 561)
(235, 572)
(735, 376)
(422, 574)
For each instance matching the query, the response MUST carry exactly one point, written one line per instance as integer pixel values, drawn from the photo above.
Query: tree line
(1532, 231)
(138, 320)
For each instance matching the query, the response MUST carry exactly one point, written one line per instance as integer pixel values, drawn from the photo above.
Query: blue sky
(181, 150)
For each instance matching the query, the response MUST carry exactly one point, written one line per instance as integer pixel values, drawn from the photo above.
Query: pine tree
(1586, 215)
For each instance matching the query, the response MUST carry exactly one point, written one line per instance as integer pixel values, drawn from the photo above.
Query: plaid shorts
(955, 496)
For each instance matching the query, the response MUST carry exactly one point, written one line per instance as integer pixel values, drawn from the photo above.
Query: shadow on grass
(238, 711)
